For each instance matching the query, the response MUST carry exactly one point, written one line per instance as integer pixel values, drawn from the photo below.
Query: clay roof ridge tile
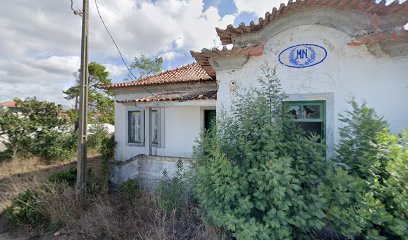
(369, 6)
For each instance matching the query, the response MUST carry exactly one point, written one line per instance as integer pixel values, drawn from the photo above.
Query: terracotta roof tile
(8, 104)
(204, 56)
(367, 6)
(185, 74)
(396, 35)
(176, 96)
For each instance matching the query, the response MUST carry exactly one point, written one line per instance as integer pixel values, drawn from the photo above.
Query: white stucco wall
(347, 71)
(182, 126)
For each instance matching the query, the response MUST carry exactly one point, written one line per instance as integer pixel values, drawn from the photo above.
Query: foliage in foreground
(107, 151)
(26, 209)
(122, 213)
(258, 177)
(172, 193)
(367, 188)
(66, 176)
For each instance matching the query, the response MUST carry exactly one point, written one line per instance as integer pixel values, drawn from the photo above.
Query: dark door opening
(209, 119)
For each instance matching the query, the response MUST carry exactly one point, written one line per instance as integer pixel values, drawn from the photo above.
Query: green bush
(394, 191)
(97, 135)
(57, 145)
(38, 130)
(107, 151)
(130, 189)
(366, 187)
(7, 154)
(258, 177)
(67, 176)
(26, 209)
(172, 192)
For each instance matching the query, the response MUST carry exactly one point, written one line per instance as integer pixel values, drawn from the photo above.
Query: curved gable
(354, 17)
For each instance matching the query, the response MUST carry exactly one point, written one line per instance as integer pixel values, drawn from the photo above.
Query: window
(310, 115)
(136, 127)
(155, 121)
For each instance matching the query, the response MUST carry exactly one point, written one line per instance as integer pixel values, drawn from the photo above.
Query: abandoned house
(325, 52)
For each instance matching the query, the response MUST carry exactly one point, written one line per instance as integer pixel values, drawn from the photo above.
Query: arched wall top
(354, 17)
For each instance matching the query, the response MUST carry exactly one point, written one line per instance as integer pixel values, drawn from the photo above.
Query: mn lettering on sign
(302, 55)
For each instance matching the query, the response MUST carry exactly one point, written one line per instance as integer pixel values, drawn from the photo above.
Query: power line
(117, 47)
(75, 11)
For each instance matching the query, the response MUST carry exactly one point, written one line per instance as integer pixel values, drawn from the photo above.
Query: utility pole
(83, 103)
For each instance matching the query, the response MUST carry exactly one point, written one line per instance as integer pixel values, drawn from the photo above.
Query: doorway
(209, 118)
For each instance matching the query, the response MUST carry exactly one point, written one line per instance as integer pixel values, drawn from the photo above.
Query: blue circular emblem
(302, 55)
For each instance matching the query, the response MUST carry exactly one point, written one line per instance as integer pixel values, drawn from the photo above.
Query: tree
(34, 130)
(366, 188)
(144, 67)
(101, 106)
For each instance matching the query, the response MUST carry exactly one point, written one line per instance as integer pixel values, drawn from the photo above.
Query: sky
(40, 40)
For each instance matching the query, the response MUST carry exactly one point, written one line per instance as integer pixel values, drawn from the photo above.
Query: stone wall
(147, 169)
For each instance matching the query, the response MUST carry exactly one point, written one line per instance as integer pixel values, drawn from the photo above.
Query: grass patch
(124, 212)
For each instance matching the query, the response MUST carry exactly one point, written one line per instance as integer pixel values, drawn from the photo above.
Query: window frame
(142, 130)
(322, 119)
(159, 127)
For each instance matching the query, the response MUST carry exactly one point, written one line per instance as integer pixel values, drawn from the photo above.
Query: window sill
(135, 144)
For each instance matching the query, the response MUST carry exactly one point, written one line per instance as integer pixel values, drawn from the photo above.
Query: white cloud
(259, 7)
(171, 55)
(114, 70)
(62, 65)
(40, 40)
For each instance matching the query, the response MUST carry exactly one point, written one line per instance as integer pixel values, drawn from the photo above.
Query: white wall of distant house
(347, 72)
(182, 126)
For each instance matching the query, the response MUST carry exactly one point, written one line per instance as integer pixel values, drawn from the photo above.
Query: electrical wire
(117, 47)
(77, 11)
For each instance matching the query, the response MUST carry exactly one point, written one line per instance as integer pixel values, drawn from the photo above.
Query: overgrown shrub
(97, 135)
(107, 151)
(38, 130)
(7, 154)
(172, 192)
(67, 176)
(394, 191)
(130, 189)
(57, 145)
(26, 208)
(366, 186)
(257, 176)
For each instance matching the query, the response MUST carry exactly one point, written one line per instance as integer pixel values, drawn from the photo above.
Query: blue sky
(40, 43)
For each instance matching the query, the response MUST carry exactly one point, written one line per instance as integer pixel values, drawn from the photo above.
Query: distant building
(8, 106)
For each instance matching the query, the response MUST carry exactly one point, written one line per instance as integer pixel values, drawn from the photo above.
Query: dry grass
(103, 213)
(113, 215)
(16, 166)
(19, 174)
